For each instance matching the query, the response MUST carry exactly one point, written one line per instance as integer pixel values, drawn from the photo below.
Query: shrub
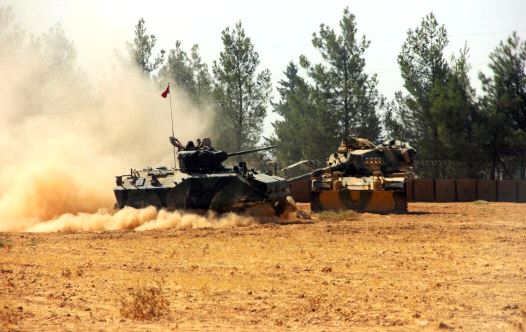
(9, 316)
(145, 303)
(6, 244)
(66, 273)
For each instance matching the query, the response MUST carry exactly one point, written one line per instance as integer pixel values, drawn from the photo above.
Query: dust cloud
(63, 139)
(138, 219)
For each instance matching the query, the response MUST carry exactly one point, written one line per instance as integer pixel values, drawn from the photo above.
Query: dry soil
(458, 266)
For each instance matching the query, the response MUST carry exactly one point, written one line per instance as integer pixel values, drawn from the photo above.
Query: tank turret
(205, 160)
(390, 157)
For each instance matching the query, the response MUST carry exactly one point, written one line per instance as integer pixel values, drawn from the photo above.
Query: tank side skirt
(377, 201)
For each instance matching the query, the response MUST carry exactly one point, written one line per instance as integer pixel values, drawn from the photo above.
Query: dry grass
(6, 244)
(459, 265)
(340, 215)
(66, 273)
(145, 303)
(9, 316)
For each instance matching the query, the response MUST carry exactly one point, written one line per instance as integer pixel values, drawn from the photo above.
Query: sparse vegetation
(66, 273)
(9, 316)
(375, 272)
(6, 244)
(33, 242)
(339, 215)
(145, 303)
(80, 271)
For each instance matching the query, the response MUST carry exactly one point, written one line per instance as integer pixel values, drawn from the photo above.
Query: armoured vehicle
(363, 177)
(201, 182)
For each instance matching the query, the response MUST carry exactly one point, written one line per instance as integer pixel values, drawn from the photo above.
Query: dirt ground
(458, 266)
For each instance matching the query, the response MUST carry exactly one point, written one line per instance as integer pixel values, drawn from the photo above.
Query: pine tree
(188, 73)
(438, 112)
(11, 36)
(56, 49)
(202, 77)
(303, 132)
(241, 93)
(504, 106)
(423, 66)
(142, 47)
(287, 130)
(458, 120)
(351, 96)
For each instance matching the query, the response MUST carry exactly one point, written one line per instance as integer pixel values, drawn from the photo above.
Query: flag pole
(172, 117)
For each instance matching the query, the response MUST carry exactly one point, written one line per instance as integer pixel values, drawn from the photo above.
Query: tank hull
(374, 201)
(221, 192)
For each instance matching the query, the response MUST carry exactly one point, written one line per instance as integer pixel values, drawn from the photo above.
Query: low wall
(443, 190)
(465, 190)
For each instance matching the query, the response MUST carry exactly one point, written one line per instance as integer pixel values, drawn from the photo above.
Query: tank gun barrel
(237, 153)
(319, 171)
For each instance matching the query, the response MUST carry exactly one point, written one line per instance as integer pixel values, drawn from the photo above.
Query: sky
(280, 30)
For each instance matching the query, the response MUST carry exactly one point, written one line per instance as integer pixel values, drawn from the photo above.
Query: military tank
(363, 177)
(201, 182)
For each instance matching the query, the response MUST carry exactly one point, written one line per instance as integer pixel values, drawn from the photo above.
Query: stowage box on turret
(201, 182)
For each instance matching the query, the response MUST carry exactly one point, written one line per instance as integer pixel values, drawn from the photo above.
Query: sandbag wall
(465, 190)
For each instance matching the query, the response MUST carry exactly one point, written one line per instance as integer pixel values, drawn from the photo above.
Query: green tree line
(458, 131)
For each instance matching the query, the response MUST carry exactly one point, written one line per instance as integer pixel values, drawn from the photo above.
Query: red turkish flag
(166, 92)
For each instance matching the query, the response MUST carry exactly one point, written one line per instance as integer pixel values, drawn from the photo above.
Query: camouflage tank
(201, 183)
(363, 177)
